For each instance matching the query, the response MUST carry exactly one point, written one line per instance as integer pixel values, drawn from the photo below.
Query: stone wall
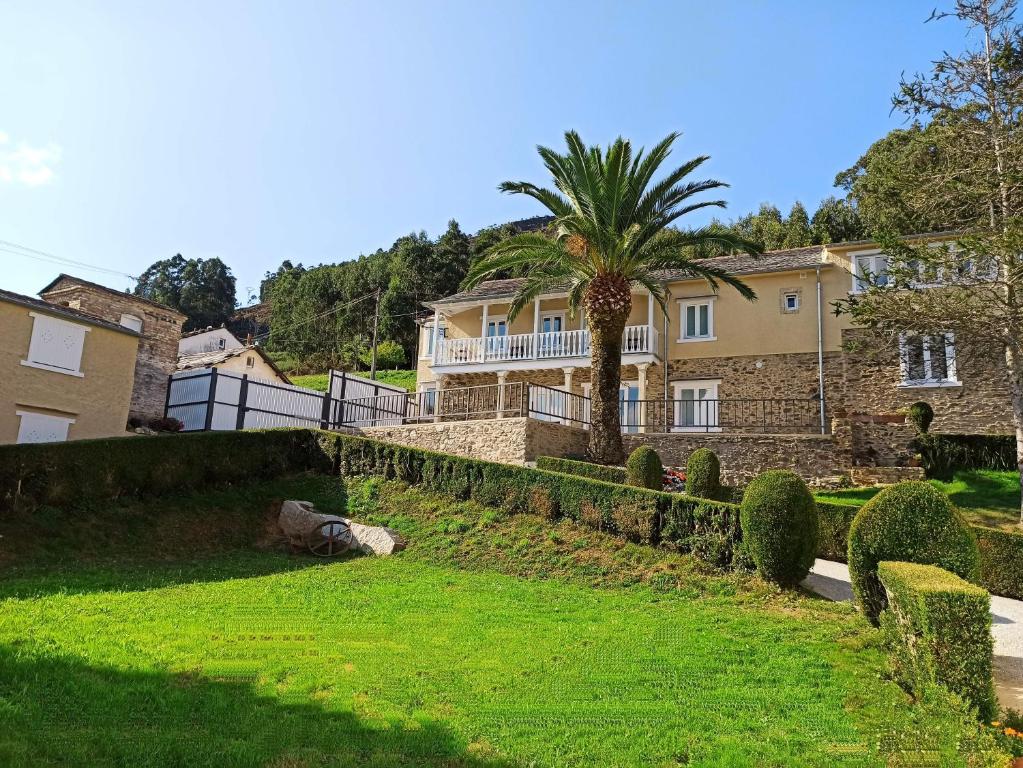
(509, 441)
(158, 343)
(743, 456)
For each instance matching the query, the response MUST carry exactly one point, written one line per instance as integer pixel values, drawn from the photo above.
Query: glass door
(551, 340)
(497, 338)
(629, 407)
(696, 406)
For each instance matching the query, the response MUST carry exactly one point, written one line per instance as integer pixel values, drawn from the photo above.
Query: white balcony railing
(637, 339)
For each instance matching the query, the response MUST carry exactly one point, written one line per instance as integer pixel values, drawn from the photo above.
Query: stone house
(717, 365)
(158, 326)
(64, 374)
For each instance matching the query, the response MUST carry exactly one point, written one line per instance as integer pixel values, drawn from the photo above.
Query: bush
(644, 469)
(920, 416)
(584, 469)
(1001, 561)
(779, 526)
(944, 454)
(938, 628)
(833, 521)
(911, 522)
(703, 474)
(166, 424)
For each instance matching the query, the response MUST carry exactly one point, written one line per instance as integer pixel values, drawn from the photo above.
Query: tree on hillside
(837, 221)
(202, 289)
(612, 230)
(267, 283)
(971, 107)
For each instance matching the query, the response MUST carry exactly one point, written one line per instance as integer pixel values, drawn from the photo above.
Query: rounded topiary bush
(921, 415)
(910, 522)
(644, 468)
(703, 474)
(779, 526)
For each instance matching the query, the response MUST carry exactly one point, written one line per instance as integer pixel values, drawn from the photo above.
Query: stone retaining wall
(509, 441)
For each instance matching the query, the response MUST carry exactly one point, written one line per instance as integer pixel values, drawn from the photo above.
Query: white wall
(208, 341)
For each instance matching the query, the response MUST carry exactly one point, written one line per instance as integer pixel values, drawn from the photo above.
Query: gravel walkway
(831, 580)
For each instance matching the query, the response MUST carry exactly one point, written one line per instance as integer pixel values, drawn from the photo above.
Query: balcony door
(551, 341)
(696, 406)
(497, 338)
(629, 405)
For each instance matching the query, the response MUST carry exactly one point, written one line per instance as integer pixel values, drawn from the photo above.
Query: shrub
(644, 468)
(703, 474)
(938, 628)
(921, 415)
(911, 522)
(779, 526)
(584, 469)
(944, 454)
(166, 424)
(833, 521)
(1001, 561)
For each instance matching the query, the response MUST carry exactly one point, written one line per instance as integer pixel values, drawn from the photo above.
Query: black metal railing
(550, 404)
(485, 401)
(764, 415)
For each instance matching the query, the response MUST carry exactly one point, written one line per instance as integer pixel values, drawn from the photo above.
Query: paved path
(831, 580)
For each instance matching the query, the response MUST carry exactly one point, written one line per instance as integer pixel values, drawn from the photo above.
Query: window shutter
(40, 428)
(56, 343)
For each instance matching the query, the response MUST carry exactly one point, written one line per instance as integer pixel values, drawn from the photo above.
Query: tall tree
(837, 221)
(797, 228)
(971, 107)
(202, 289)
(613, 229)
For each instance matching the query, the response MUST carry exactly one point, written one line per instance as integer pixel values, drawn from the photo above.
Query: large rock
(300, 522)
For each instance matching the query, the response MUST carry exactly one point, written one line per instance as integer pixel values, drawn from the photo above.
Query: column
(502, 379)
(566, 411)
(536, 327)
(434, 334)
(641, 369)
(649, 322)
(483, 334)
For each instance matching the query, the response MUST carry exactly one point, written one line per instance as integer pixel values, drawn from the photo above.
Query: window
(697, 320)
(40, 428)
(790, 301)
(222, 344)
(696, 406)
(927, 360)
(132, 322)
(427, 345)
(869, 268)
(250, 361)
(56, 345)
(428, 399)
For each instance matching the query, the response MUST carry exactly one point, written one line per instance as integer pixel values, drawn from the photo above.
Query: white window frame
(426, 352)
(551, 316)
(131, 322)
(31, 363)
(26, 418)
(952, 377)
(785, 299)
(859, 284)
(429, 404)
(676, 389)
(684, 304)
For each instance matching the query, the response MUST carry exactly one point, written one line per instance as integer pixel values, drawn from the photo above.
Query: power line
(315, 317)
(32, 253)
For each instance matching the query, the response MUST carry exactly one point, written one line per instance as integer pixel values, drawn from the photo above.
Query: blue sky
(315, 132)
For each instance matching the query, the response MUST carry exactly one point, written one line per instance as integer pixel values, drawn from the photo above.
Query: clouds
(27, 165)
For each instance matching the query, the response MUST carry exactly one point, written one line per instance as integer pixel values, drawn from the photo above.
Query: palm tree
(612, 231)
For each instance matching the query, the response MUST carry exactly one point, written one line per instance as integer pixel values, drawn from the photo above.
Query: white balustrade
(637, 339)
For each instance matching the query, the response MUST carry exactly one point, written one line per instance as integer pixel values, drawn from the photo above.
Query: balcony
(524, 350)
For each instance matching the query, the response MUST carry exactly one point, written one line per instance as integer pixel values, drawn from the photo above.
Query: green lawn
(318, 381)
(986, 497)
(180, 632)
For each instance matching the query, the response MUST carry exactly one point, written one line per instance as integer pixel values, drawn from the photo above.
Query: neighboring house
(718, 351)
(251, 360)
(159, 327)
(208, 340)
(64, 375)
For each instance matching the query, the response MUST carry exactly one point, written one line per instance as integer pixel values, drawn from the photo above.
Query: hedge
(89, 471)
(938, 628)
(943, 454)
(1001, 561)
(588, 469)
(833, 521)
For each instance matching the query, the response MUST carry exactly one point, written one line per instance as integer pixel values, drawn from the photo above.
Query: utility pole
(376, 323)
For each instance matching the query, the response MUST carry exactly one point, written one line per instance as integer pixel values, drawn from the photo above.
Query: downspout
(820, 351)
(666, 362)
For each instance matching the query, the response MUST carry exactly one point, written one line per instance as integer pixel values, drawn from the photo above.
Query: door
(629, 406)
(551, 341)
(696, 406)
(497, 338)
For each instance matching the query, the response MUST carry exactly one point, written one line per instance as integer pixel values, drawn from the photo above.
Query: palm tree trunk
(605, 378)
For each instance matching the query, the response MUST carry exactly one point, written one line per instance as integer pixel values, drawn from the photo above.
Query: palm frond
(551, 200)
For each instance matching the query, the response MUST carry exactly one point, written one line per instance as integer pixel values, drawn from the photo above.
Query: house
(717, 362)
(64, 374)
(208, 340)
(251, 360)
(158, 326)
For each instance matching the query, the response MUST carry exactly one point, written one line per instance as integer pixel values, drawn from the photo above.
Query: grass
(986, 497)
(318, 381)
(182, 632)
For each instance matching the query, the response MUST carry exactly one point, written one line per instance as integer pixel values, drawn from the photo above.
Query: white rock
(373, 540)
(299, 521)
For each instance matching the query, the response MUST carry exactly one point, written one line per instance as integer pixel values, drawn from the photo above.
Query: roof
(57, 309)
(215, 358)
(63, 276)
(738, 264)
(207, 329)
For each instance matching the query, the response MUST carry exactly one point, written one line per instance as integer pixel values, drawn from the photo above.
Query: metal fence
(784, 416)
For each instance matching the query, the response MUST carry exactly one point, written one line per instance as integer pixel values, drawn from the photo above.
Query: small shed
(251, 360)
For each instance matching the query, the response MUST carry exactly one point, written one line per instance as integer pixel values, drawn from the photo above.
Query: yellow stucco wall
(97, 401)
(259, 370)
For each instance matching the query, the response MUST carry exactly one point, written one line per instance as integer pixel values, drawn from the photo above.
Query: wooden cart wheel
(330, 538)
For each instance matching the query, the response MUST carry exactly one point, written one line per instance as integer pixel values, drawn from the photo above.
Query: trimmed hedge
(779, 526)
(89, 471)
(1001, 561)
(938, 628)
(944, 454)
(703, 474)
(833, 522)
(911, 522)
(921, 416)
(588, 469)
(644, 469)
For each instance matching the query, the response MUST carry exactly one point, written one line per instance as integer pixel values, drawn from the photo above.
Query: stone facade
(158, 342)
(509, 441)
